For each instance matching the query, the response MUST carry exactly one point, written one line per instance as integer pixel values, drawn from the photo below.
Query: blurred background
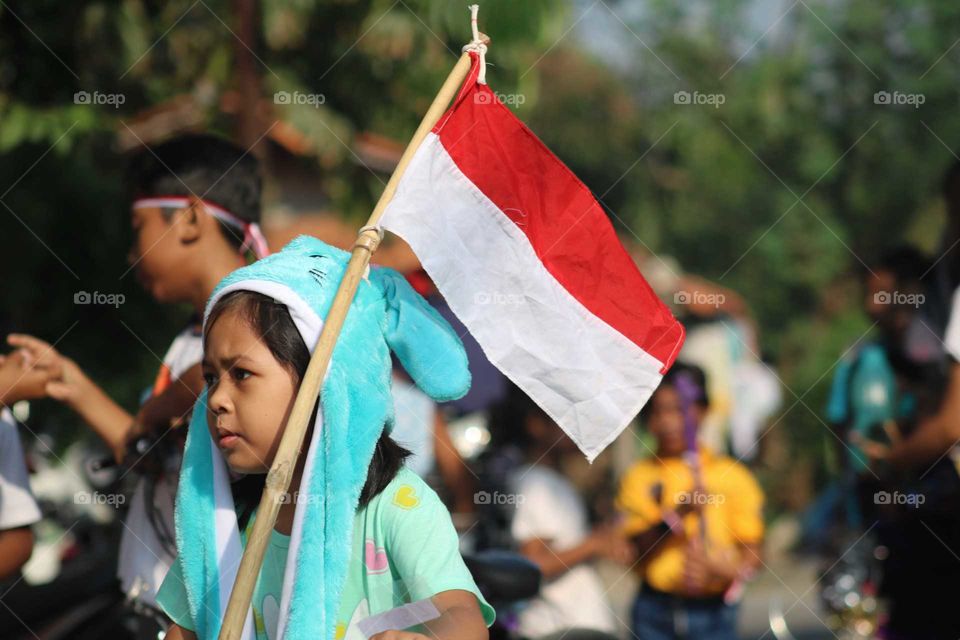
(754, 156)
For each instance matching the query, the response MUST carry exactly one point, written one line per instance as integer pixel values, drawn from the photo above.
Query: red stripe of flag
(564, 223)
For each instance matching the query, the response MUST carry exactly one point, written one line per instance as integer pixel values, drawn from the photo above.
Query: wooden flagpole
(291, 443)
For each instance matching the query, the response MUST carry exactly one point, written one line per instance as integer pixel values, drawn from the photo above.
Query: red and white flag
(527, 259)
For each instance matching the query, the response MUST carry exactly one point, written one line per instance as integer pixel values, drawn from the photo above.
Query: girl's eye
(241, 374)
(209, 379)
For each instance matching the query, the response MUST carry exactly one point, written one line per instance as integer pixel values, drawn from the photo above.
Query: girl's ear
(425, 343)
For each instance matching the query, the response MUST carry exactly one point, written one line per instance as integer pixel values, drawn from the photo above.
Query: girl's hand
(703, 569)
(399, 635)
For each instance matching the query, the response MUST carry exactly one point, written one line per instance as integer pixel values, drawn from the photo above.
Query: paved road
(787, 585)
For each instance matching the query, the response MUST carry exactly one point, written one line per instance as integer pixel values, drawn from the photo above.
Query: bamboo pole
(291, 443)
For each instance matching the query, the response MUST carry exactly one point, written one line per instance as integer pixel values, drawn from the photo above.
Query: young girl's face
(250, 394)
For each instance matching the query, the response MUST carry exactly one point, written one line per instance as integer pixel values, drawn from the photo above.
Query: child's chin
(238, 464)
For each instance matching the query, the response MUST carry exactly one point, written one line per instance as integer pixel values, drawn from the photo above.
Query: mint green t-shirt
(404, 549)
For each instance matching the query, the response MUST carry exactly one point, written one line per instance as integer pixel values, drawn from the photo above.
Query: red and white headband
(253, 238)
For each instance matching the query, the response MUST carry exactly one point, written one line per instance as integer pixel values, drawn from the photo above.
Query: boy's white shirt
(548, 507)
(951, 338)
(144, 561)
(17, 505)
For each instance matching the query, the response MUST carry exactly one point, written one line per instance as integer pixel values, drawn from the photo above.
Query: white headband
(253, 238)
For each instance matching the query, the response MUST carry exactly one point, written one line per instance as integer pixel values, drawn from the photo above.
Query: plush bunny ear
(425, 343)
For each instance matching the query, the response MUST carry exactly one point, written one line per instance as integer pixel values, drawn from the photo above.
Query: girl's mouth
(226, 439)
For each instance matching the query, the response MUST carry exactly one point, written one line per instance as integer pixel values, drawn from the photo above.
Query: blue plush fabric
(386, 315)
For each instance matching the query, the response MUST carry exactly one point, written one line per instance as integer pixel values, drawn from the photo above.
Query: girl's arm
(460, 619)
(176, 632)
(934, 436)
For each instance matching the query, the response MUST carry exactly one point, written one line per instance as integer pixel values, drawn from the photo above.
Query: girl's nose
(218, 400)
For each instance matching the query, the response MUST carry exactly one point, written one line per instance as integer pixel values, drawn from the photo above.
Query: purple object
(489, 385)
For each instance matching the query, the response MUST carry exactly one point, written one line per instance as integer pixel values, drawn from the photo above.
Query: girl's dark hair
(272, 323)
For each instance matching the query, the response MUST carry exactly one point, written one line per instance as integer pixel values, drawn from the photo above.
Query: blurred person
(421, 427)
(944, 276)
(938, 434)
(18, 509)
(885, 377)
(697, 544)
(195, 209)
(551, 528)
(900, 418)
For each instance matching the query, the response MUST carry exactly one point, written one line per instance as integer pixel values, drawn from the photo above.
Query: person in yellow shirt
(696, 520)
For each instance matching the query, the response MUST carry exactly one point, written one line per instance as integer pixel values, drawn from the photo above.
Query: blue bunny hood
(305, 276)
(386, 316)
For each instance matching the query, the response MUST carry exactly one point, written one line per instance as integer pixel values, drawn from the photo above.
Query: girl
(360, 535)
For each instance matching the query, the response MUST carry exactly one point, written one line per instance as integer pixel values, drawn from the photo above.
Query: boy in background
(550, 526)
(195, 212)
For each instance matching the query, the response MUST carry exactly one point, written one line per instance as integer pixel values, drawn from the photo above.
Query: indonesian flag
(527, 259)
